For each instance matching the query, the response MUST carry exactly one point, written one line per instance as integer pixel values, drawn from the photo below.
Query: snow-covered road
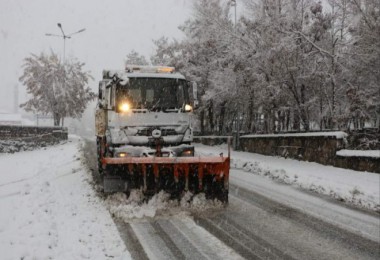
(361, 189)
(49, 209)
(273, 177)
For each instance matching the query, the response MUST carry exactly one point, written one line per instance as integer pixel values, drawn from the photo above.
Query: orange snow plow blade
(174, 174)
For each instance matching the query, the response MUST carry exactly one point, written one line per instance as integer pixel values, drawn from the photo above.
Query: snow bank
(354, 187)
(50, 211)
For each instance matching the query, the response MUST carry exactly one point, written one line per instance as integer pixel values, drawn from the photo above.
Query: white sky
(113, 29)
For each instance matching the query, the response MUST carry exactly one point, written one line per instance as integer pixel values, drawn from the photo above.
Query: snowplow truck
(144, 135)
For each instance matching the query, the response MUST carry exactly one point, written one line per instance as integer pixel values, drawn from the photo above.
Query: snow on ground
(50, 211)
(359, 188)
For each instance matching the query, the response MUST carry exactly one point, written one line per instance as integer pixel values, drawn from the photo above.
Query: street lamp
(64, 37)
(233, 3)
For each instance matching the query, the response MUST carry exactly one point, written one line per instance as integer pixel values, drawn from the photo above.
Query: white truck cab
(141, 99)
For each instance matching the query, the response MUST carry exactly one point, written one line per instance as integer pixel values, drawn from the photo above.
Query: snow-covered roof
(338, 135)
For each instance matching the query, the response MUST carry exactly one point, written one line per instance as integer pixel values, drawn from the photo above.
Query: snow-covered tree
(286, 64)
(206, 53)
(56, 89)
(136, 59)
(165, 53)
(364, 59)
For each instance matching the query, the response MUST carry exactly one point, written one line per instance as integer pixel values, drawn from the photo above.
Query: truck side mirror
(100, 92)
(195, 94)
(100, 95)
(112, 98)
(104, 94)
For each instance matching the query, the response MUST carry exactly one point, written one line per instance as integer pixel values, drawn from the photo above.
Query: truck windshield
(156, 94)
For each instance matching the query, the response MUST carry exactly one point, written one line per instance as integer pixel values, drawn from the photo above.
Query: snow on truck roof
(136, 71)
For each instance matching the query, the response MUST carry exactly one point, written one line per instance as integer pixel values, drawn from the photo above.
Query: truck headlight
(188, 108)
(124, 107)
(188, 153)
(122, 154)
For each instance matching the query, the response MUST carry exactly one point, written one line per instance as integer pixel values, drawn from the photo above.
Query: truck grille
(164, 132)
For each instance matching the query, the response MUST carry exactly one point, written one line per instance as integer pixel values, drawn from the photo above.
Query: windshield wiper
(172, 110)
(155, 105)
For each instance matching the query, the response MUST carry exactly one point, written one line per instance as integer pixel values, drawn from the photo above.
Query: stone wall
(16, 131)
(211, 140)
(319, 147)
(25, 138)
(358, 163)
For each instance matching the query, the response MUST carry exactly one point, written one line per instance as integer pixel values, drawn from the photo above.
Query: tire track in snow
(154, 246)
(130, 240)
(188, 249)
(247, 244)
(177, 253)
(210, 246)
(294, 231)
(312, 222)
(180, 239)
(312, 203)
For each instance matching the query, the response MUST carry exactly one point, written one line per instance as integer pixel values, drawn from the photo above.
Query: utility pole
(15, 99)
(233, 3)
